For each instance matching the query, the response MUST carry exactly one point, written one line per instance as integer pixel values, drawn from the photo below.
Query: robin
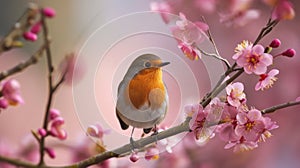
(142, 96)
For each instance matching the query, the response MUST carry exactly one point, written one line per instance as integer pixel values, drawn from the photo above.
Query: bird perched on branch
(142, 95)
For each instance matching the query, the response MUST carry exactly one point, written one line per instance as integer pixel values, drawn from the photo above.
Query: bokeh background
(74, 23)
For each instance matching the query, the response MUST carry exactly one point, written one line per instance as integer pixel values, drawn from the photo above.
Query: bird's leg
(131, 140)
(155, 133)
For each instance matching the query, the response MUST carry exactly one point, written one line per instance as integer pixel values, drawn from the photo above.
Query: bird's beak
(163, 64)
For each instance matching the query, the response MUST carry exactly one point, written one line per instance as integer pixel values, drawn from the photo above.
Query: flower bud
(49, 12)
(30, 36)
(289, 52)
(275, 43)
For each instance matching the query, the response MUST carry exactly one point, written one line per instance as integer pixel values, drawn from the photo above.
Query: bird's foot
(155, 134)
(132, 144)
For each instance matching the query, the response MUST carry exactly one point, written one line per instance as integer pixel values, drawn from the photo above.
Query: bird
(142, 98)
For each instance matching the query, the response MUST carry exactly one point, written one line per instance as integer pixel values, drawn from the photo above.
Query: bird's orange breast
(141, 85)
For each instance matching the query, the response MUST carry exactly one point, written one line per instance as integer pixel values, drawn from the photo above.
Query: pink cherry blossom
(240, 18)
(72, 72)
(192, 109)
(164, 8)
(187, 31)
(202, 129)
(96, 131)
(56, 128)
(226, 130)
(267, 80)
(152, 153)
(283, 10)
(250, 125)
(253, 59)
(214, 110)
(206, 6)
(241, 145)
(189, 51)
(269, 125)
(235, 94)
(188, 35)
(237, 13)
(167, 143)
(11, 92)
(298, 98)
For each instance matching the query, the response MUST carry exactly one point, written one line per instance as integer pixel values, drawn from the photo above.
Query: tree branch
(16, 162)
(23, 65)
(50, 85)
(19, 28)
(280, 106)
(217, 56)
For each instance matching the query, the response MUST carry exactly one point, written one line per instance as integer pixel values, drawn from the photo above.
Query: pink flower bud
(11, 92)
(3, 103)
(56, 129)
(289, 52)
(42, 132)
(134, 157)
(275, 43)
(30, 36)
(50, 152)
(53, 113)
(36, 28)
(49, 12)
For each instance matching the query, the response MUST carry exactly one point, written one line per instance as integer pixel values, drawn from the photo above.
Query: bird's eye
(147, 64)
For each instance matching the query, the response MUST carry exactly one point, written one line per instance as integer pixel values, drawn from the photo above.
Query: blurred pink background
(74, 23)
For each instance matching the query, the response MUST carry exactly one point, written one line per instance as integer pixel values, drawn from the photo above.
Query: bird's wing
(123, 125)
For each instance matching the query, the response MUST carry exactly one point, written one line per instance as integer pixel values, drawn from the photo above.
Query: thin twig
(23, 65)
(17, 162)
(50, 86)
(23, 23)
(280, 106)
(211, 39)
(216, 56)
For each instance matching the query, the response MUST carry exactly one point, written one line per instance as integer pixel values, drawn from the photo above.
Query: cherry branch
(24, 22)
(51, 87)
(280, 106)
(183, 127)
(23, 65)
(217, 56)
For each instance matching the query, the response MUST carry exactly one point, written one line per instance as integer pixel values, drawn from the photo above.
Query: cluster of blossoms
(188, 35)
(32, 34)
(255, 59)
(54, 129)
(231, 13)
(10, 93)
(242, 128)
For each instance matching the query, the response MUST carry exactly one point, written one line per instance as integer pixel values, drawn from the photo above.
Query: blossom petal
(267, 59)
(254, 115)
